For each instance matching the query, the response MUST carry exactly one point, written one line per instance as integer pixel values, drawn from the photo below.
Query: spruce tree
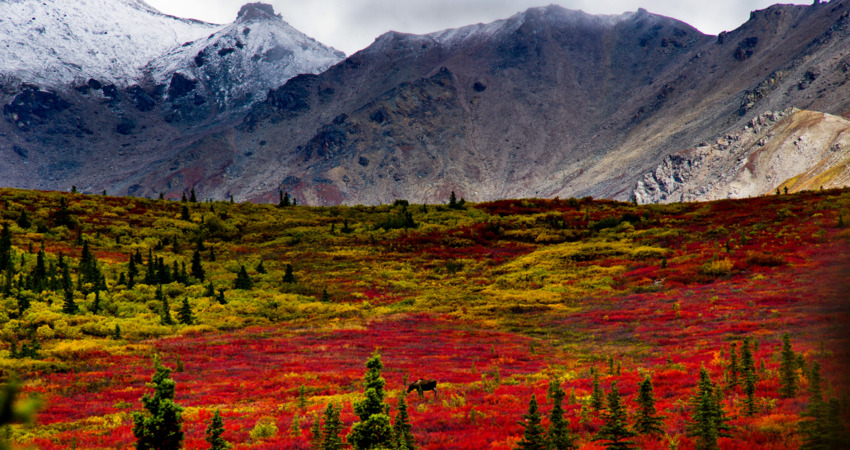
(260, 268)
(197, 269)
(193, 198)
(615, 429)
(5, 248)
(161, 428)
(184, 214)
(533, 437)
(23, 304)
(597, 399)
(316, 433)
(330, 435)
(288, 276)
(284, 199)
(214, 432)
(647, 421)
(185, 315)
(559, 436)
(748, 371)
(708, 421)
(814, 427)
(23, 220)
(165, 313)
(401, 427)
(95, 307)
(733, 366)
(243, 281)
(835, 433)
(374, 429)
(787, 369)
(70, 306)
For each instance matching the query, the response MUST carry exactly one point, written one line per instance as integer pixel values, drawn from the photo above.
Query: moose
(421, 386)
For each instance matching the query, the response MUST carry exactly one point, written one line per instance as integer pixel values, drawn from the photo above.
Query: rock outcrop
(794, 149)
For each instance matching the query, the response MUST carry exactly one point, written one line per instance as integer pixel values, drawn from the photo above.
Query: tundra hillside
(267, 313)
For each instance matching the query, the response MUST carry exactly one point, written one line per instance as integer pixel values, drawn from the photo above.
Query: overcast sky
(350, 25)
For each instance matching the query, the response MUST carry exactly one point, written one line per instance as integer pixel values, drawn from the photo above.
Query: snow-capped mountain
(54, 43)
(257, 52)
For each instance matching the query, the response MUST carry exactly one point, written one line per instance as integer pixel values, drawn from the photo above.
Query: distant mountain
(95, 90)
(257, 52)
(56, 43)
(549, 102)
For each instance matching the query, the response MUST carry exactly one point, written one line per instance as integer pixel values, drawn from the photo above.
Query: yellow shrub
(265, 428)
(717, 268)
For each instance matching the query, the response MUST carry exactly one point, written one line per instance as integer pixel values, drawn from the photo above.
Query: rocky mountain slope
(91, 97)
(55, 43)
(549, 102)
(794, 149)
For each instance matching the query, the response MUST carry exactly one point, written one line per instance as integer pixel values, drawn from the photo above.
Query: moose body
(421, 386)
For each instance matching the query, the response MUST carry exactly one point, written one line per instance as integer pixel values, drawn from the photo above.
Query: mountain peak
(256, 11)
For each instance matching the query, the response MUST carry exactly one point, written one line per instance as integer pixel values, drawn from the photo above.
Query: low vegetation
(566, 323)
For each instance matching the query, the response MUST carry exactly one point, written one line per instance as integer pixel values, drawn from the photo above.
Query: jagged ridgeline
(549, 102)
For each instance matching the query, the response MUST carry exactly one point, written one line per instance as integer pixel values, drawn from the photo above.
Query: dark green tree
(647, 421)
(748, 371)
(192, 197)
(260, 268)
(330, 435)
(23, 304)
(733, 366)
(559, 436)
(5, 248)
(161, 426)
(316, 432)
(24, 220)
(597, 399)
(197, 269)
(214, 432)
(165, 313)
(835, 433)
(243, 281)
(184, 214)
(70, 306)
(533, 437)
(185, 315)
(615, 430)
(787, 369)
(95, 307)
(284, 199)
(708, 420)
(402, 428)
(373, 430)
(813, 427)
(288, 276)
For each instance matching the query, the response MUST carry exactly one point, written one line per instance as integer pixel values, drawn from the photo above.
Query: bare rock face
(794, 149)
(549, 102)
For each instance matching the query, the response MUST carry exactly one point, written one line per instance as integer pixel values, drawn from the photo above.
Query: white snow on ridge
(245, 58)
(58, 42)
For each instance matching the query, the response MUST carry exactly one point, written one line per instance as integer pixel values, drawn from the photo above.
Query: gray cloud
(351, 25)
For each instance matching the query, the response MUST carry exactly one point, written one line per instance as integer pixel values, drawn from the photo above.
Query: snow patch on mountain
(59, 42)
(259, 51)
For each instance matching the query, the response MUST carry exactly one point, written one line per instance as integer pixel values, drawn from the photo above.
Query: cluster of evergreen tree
(374, 430)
